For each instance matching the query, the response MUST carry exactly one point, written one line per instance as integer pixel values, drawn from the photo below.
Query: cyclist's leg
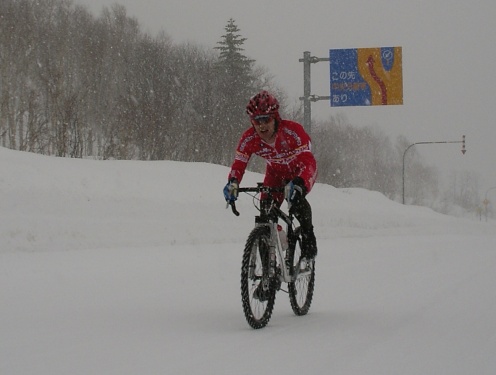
(303, 213)
(271, 179)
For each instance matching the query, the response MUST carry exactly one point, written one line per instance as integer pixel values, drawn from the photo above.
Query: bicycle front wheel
(257, 292)
(301, 289)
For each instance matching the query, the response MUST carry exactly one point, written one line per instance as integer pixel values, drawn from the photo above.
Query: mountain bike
(268, 262)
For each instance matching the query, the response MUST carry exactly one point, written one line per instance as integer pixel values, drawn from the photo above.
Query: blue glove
(231, 190)
(294, 191)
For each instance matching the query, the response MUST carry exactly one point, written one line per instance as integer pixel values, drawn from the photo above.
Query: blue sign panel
(366, 76)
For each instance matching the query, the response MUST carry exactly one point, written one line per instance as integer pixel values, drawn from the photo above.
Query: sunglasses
(263, 119)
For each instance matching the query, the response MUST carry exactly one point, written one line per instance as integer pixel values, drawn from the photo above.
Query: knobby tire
(257, 313)
(301, 290)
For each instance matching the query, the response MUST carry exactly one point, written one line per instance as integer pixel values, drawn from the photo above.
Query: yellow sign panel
(366, 76)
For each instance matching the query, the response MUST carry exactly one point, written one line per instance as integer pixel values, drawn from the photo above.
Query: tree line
(76, 85)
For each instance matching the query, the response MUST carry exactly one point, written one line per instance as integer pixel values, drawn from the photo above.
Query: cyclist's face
(265, 129)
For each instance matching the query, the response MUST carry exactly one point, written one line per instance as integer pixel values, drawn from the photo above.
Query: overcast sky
(448, 60)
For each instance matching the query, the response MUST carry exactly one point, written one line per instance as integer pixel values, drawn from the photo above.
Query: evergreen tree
(235, 86)
(231, 59)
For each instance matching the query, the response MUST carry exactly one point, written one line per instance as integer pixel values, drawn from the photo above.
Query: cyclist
(286, 147)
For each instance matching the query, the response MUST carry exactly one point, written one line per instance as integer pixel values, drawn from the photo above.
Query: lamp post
(486, 201)
(404, 154)
(426, 143)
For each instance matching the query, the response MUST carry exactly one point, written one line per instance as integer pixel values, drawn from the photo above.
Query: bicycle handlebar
(258, 189)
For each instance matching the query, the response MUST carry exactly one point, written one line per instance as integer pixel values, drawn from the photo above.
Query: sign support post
(307, 91)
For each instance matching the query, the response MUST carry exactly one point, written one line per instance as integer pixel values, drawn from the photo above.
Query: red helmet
(262, 103)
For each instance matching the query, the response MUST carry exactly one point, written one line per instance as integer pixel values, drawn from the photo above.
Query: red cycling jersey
(288, 157)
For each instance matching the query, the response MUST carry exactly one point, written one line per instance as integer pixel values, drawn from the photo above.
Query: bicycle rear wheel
(257, 305)
(301, 289)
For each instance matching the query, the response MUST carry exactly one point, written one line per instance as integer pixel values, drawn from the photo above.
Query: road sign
(366, 76)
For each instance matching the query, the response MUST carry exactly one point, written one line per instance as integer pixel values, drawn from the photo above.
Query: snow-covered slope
(129, 267)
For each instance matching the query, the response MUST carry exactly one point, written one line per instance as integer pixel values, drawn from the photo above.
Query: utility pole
(426, 143)
(307, 90)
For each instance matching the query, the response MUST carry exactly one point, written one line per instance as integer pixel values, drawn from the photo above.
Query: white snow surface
(133, 267)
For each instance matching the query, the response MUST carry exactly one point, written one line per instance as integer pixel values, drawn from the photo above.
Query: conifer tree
(235, 84)
(231, 59)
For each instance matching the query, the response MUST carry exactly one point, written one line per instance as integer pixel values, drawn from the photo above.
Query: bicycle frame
(276, 245)
(269, 217)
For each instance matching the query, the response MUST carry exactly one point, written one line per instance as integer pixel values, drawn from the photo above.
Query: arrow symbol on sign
(380, 82)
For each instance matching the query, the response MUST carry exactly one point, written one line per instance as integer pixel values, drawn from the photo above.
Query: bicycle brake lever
(233, 207)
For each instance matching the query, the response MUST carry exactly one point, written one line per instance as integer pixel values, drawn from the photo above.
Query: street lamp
(404, 154)
(486, 201)
(425, 143)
